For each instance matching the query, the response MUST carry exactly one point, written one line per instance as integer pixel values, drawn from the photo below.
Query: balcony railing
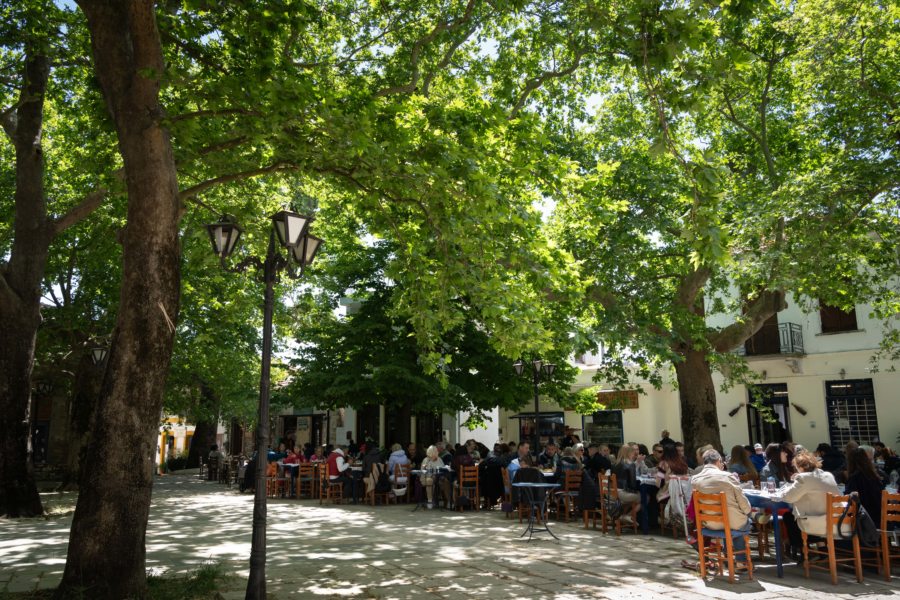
(790, 341)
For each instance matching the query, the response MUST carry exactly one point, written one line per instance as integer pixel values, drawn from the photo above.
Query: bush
(176, 464)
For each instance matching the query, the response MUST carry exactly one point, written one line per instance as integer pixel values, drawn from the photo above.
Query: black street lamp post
(292, 231)
(540, 370)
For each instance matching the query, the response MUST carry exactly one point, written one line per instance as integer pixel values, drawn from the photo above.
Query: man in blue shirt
(523, 451)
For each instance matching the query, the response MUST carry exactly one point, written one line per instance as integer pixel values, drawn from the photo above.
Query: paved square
(393, 553)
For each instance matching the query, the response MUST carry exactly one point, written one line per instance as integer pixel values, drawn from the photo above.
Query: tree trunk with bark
(106, 556)
(20, 293)
(82, 407)
(697, 394)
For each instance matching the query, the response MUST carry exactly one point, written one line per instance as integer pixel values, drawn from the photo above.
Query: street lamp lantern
(292, 230)
(305, 253)
(549, 368)
(224, 236)
(290, 227)
(98, 354)
(519, 366)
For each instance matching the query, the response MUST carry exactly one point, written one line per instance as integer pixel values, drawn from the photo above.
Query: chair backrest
(468, 474)
(504, 472)
(608, 486)
(402, 470)
(306, 471)
(835, 506)
(710, 508)
(890, 509)
(572, 482)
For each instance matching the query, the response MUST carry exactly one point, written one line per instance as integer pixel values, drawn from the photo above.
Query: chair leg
(886, 555)
(832, 560)
(729, 548)
(857, 559)
(805, 554)
(701, 547)
(749, 558)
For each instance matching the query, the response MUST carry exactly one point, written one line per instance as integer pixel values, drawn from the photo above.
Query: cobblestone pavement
(392, 553)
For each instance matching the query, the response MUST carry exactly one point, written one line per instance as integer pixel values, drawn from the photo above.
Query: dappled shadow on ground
(327, 551)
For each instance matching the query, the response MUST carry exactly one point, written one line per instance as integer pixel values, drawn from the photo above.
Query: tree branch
(224, 112)
(194, 190)
(690, 286)
(536, 82)
(79, 212)
(758, 311)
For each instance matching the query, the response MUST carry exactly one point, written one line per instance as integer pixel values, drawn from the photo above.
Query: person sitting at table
(318, 454)
(462, 458)
(432, 464)
(806, 491)
(568, 462)
(625, 471)
(596, 462)
(445, 454)
(521, 452)
(414, 453)
(549, 458)
(779, 464)
(653, 459)
(339, 470)
(216, 460)
(863, 479)
(292, 462)
(831, 460)
(397, 457)
(670, 469)
(739, 462)
(691, 462)
(712, 479)
(372, 457)
(758, 457)
(698, 463)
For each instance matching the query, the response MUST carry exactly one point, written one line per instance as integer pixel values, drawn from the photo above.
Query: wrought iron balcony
(764, 342)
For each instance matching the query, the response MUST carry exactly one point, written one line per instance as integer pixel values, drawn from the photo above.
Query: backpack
(383, 483)
(589, 491)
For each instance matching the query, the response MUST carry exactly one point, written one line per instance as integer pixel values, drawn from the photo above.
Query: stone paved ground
(391, 553)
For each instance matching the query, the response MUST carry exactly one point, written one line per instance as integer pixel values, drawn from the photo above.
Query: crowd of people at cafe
(792, 473)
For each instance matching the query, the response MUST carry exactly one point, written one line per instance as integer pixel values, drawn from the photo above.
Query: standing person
(216, 460)
(570, 439)
(664, 439)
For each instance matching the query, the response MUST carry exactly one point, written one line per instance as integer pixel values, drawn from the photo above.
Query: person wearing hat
(758, 458)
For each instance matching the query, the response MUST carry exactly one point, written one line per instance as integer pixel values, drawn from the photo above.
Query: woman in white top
(806, 492)
(430, 465)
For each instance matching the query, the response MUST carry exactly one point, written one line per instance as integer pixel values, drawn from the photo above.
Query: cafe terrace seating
(890, 532)
(835, 507)
(713, 508)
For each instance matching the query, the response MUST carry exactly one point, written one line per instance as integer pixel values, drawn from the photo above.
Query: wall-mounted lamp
(735, 410)
(763, 375)
(843, 373)
(795, 365)
(799, 408)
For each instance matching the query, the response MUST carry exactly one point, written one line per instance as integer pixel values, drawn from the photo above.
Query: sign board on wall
(302, 423)
(618, 399)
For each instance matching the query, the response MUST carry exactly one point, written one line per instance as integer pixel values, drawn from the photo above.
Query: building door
(397, 424)
(428, 429)
(851, 411)
(770, 423)
(367, 423)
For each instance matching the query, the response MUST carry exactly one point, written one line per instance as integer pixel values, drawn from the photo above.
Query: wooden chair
(713, 508)
(467, 482)
(890, 517)
(507, 487)
(565, 498)
(609, 492)
(328, 489)
(277, 484)
(834, 506)
(589, 515)
(528, 475)
(203, 466)
(373, 495)
(306, 480)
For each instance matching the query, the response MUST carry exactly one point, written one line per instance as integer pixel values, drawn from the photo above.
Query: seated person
(292, 465)
(216, 460)
(807, 493)
(570, 461)
(339, 470)
(625, 471)
(432, 464)
(712, 478)
(597, 462)
(318, 454)
(526, 473)
(739, 462)
(397, 457)
(549, 458)
(758, 458)
(522, 451)
(779, 465)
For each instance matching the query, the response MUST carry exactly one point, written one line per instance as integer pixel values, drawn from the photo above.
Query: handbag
(613, 507)
(865, 526)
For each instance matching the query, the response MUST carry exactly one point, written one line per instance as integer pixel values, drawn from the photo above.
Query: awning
(543, 415)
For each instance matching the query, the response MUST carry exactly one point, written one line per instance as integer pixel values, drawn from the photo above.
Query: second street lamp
(292, 230)
(540, 370)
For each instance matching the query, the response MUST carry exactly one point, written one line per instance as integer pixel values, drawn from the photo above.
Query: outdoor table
(761, 499)
(438, 473)
(537, 501)
(649, 487)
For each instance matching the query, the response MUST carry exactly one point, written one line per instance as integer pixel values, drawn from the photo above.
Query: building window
(604, 427)
(835, 320)
(851, 411)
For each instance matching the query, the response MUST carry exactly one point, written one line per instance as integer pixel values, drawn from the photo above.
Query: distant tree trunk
(83, 406)
(697, 393)
(106, 556)
(20, 293)
(205, 431)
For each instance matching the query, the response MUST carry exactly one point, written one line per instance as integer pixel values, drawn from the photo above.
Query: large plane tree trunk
(106, 556)
(697, 393)
(20, 293)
